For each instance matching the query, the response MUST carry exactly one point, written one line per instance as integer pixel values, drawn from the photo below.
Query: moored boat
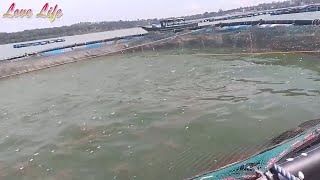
(178, 24)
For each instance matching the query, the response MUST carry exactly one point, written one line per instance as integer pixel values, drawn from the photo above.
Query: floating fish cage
(235, 39)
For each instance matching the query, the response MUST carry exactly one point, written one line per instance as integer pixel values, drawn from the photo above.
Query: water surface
(149, 115)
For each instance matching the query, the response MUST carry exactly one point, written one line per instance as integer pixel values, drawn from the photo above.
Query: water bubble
(120, 90)
(129, 146)
(52, 105)
(48, 169)
(94, 118)
(84, 129)
(4, 113)
(301, 73)
(91, 152)
(290, 159)
(98, 147)
(36, 154)
(120, 132)
(131, 125)
(300, 175)
(90, 141)
(187, 128)
(103, 132)
(166, 114)
(113, 113)
(87, 150)
(21, 168)
(53, 151)
(17, 150)
(173, 71)
(59, 122)
(135, 114)
(164, 99)
(31, 160)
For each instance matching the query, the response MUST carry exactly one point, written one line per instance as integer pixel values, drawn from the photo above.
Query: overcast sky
(75, 11)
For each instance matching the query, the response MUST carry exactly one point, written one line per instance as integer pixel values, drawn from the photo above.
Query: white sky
(75, 11)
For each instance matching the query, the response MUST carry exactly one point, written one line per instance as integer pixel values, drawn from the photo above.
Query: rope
(255, 53)
(284, 173)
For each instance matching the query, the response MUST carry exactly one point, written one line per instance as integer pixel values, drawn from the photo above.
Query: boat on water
(175, 25)
(38, 43)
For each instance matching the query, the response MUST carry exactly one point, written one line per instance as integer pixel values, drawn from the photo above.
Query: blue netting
(242, 169)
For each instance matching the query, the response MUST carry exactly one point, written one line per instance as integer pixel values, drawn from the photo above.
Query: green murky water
(149, 116)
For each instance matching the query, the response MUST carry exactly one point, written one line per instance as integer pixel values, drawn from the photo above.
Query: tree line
(88, 27)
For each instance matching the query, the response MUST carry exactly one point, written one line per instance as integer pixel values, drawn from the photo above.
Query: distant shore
(88, 27)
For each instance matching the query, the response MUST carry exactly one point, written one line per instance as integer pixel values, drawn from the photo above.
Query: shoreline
(253, 41)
